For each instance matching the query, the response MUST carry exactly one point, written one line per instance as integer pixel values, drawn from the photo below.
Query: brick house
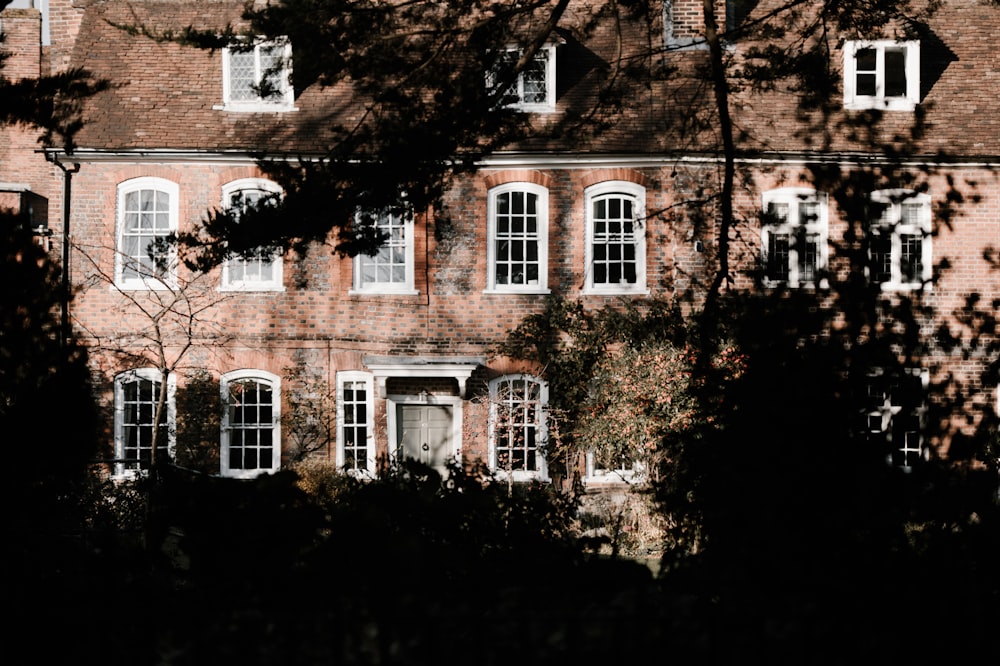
(404, 340)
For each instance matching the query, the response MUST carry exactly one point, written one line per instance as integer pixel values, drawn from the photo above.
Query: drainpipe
(68, 172)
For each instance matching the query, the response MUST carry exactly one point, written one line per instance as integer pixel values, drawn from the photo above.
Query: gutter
(68, 171)
(544, 159)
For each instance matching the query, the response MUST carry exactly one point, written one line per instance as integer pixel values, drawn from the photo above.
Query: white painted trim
(638, 193)
(275, 382)
(343, 377)
(542, 237)
(455, 402)
(855, 101)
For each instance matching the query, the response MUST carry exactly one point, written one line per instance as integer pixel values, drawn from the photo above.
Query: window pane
(251, 425)
(388, 265)
(895, 73)
(613, 248)
(516, 425)
(809, 258)
(242, 76)
(866, 60)
(911, 266)
(866, 85)
(354, 434)
(140, 397)
(881, 249)
(778, 256)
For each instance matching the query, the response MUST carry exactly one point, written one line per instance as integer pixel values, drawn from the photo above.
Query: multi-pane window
(794, 237)
(534, 87)
(518, 426)
(142, 424)
(518, 238)
(147, 215)
(616, 239)
(251, 435)
(390, 268)
(894, 413)
(881, 75)
(621, 469)
(899, 242)
(261, 271)
(257, 77)
(355, 437)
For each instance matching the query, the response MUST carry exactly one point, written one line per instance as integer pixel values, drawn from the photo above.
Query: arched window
(262, 272)
(518, 428)
(147, 213)
(137, 413)
(616, 238)
(251, 423)
(517, 253)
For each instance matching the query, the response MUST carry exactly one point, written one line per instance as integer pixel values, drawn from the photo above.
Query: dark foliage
(46, 412)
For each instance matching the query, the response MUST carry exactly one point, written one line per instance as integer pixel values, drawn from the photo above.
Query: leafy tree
(426, 84)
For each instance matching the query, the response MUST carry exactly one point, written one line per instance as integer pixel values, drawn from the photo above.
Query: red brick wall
(318, 317)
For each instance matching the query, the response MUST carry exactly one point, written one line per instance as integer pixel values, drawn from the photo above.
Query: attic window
(534, 89)
(257, 78)
(881, 75)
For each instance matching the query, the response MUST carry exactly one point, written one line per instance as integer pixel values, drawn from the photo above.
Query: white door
(424, 433)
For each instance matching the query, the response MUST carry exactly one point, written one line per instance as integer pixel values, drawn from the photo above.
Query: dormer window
(535, 86)
(257, 78)
(881, 75)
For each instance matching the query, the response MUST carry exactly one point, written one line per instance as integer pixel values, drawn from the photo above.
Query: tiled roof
(167, 95)
(959, 109)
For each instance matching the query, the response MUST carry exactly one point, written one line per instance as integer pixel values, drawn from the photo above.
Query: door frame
(456, 404)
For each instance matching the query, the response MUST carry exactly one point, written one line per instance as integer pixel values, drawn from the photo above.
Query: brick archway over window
(518, 176)
(616, 173)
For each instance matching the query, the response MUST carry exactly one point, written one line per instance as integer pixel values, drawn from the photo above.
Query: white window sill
(258, 107)
(521, 477)
(909, 286)
(528, 291)
(594, 291)
(795, 286)
(246, 474)
(143, 285)
(273, 288)
(880, 104)
(384, 291)
(614, 479)
(533, 108)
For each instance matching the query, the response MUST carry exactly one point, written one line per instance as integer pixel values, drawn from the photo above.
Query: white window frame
(891, 221)
(123, 260)
(879, 417)
(601, 475)
(856, 101)
(638, 194)
(128, 470)
(263, 377)
(516, 89)
(285, 101)
(796, 228)
(540, 473)
(376, 287)
(276, 283)
(540, 238)
(343, 379)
